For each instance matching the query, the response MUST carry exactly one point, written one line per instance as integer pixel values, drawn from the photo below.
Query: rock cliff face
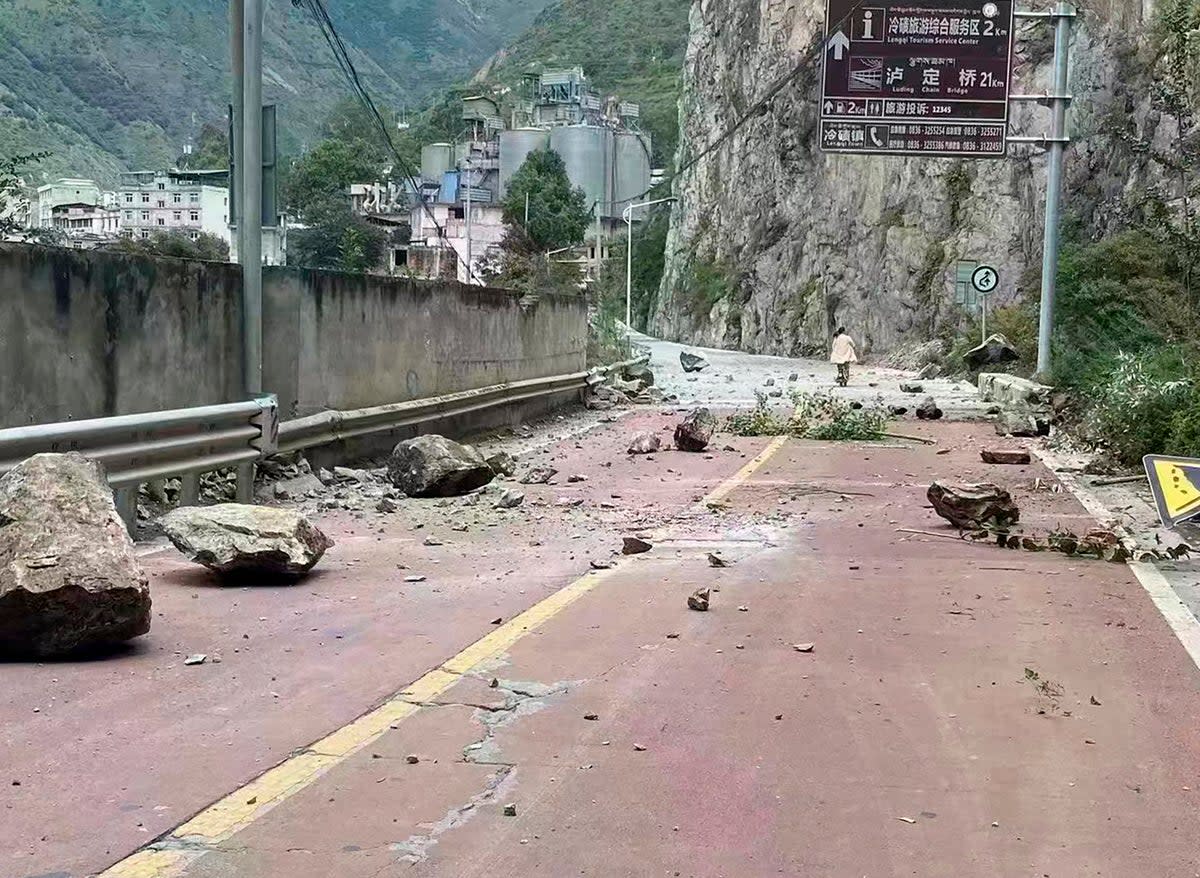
(774, 244)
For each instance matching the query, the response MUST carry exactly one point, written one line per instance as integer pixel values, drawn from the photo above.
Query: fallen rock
(775, 394)
(69, 577)
(346, 474)
(387, 505)
(692, 362)
(299, 486)
(993, 352)
(897, 410)
(971, 507)
(635, 546)
(502, 463)
(795, 376)
(804, 647)
(645, 443)
(696, 430)
(911, 387)
(539, 475)
(928, 371)
(1021, 422)
(716, 561)
(770, 382)
(698, 600)
(510, 500)
(196, 659)
(639, 372)
(1005, 456)
(233, 538)
(434, 466)
(928, 410)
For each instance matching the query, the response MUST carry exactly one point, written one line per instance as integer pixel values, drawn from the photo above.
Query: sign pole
(1059, 100)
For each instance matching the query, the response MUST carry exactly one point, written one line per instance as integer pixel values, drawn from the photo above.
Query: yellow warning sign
(1175, 482)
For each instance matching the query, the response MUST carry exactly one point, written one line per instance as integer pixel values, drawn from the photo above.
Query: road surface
(963, 710)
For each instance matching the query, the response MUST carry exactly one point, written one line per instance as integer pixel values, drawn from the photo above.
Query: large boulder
(695, 431)
(250, 540)
(996, 351)
(639, 372)
(434, 466)
(971, 507)
(69, 578)
(692, 362)
(928, 410)
(645, 443)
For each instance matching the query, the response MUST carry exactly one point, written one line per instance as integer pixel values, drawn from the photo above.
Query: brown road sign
(917, 77)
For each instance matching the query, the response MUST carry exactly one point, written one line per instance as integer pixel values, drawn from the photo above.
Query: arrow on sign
(839, 43)
(829, 106)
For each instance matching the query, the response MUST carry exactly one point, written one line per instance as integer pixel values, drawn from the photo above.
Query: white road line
(1169, 604)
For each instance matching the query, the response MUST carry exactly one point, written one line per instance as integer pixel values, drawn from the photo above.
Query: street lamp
(627, 215)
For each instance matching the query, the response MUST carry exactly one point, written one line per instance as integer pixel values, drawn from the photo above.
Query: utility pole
(1058, 101)
(467, 195)
(245, 187)
(251, 218)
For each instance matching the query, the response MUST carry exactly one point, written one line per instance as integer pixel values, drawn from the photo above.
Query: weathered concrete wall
(90, 334)
(350, 341)
(84, 335)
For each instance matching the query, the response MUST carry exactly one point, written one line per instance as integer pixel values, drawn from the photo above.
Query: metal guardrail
(155, 445)
(187, 442)
(335, 426)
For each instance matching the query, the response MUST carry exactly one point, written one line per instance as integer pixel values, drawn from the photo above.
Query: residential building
(190, 202)
(445, 254)
(86, 225)
(68, 190)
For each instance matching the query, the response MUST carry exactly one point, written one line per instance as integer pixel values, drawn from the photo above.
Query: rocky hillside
(111, 84)
(773, 244)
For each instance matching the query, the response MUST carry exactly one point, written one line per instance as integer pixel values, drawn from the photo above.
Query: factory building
(606, 154)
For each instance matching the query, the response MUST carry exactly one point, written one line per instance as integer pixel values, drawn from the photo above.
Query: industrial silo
(515, 147)
(436, 160)
(632, 177)
(587, 151)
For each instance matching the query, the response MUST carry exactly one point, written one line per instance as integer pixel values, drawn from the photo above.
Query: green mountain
(105, 85)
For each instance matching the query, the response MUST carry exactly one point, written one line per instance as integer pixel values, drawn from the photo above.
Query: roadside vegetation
(813, 416)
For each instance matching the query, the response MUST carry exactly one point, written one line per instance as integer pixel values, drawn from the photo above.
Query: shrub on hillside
(1133, 411)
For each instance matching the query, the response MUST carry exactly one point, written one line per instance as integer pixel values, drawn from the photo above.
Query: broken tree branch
(920, 439)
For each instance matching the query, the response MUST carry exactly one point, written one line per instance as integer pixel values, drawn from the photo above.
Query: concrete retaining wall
(92, 334)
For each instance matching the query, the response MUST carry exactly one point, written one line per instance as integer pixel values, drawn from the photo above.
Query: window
(129, 198)
(162, 202)
(162, 185)
(161, 221)
(177, 198)
(129, 215)
(195, 236)
(145, 234)
(145, 198)
(401, 257)
(194, 197)
(177, 215)
(194, 216)
(145, 216)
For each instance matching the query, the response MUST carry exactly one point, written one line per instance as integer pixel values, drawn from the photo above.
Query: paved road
(630, 735)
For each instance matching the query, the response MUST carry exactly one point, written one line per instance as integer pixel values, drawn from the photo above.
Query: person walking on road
(843, 355)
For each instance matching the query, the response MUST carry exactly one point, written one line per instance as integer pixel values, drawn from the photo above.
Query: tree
(324, 175)
(179, 245)
(558, 216)
(12, 201)
(212, 150)
(336, 239)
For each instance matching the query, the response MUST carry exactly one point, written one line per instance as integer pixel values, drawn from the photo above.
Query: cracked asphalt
(620, 733)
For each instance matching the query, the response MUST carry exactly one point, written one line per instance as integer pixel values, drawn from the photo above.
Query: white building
(431, 255)
(86, 225)
(190, 202)
(69, 190)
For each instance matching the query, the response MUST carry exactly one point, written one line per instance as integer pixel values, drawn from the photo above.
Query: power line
(316, 8)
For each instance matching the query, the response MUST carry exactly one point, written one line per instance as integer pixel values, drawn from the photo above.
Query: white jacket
(843, 350)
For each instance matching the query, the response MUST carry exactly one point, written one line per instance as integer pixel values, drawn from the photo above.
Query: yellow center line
(170, 855)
